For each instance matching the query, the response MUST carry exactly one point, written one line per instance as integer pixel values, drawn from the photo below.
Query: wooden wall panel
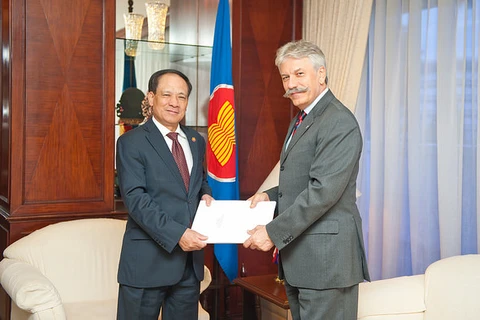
(6, 101)
(5, 98)
(62, 107)
(259, 29)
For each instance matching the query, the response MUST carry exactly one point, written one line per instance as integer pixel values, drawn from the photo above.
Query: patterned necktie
(179, 157)
(300, 118)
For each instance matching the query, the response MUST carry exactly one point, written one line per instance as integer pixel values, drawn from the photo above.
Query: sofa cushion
(397, 296)
(91, 310)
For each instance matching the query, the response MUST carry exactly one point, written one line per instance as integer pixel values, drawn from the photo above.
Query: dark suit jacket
(159, 207)
(318, 229)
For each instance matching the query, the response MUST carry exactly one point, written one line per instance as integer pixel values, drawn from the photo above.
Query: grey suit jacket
(318, 229)
(159, 207)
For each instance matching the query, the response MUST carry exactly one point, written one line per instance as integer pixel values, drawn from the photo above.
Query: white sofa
(449, 290)
(68, 270)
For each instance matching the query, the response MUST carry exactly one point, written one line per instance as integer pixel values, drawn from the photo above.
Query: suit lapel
(154, 136)
(284, 147)
(192, 142)
(306, 124)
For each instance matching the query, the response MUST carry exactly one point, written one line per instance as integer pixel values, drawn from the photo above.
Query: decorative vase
(156, 17)
(133, 32)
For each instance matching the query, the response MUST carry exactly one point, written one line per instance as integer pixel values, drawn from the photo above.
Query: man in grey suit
(161, 263)
(318, 229)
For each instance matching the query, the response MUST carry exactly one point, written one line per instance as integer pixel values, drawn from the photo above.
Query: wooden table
(264, 286)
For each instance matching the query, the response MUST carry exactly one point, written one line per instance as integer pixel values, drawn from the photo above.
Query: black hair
(153, 82)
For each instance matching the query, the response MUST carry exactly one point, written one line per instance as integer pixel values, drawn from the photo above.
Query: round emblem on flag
(221, 156)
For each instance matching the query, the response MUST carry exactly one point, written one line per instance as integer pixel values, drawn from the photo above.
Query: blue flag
(222, 148)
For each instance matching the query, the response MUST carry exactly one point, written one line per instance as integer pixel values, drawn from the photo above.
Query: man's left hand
(258, 239)
(208, 199)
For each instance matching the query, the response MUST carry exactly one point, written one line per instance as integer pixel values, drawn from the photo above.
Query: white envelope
(227, 221)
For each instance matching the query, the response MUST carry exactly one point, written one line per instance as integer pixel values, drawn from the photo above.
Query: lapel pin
(193, 139)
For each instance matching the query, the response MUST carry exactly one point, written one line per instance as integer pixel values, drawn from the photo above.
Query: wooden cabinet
(264, 298)
(57, 132)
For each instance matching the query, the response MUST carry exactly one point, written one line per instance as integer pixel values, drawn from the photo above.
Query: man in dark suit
(161, 263)
(318, 229)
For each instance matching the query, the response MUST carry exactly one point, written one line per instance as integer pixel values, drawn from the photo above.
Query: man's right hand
(256, 198)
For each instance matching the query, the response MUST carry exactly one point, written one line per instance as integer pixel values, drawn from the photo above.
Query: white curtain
(418, 108)
(340, 29)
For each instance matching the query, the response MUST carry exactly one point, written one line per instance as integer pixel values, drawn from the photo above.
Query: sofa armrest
(395, 296)
(207, 279)
(28, 287)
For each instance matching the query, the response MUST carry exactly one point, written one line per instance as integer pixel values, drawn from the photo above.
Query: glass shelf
(174, 52)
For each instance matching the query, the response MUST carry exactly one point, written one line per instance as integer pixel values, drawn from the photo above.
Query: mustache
(295, 90)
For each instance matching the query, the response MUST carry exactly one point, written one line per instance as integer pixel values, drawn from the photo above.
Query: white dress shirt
(182, 139)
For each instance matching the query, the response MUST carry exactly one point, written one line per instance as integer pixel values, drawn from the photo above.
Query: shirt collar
(314, 103)
(164, 130)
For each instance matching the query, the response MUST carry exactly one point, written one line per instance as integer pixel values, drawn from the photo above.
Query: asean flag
(221, 147)
(221, 154)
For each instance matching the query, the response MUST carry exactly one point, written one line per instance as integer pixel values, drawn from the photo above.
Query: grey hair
(301, 49)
